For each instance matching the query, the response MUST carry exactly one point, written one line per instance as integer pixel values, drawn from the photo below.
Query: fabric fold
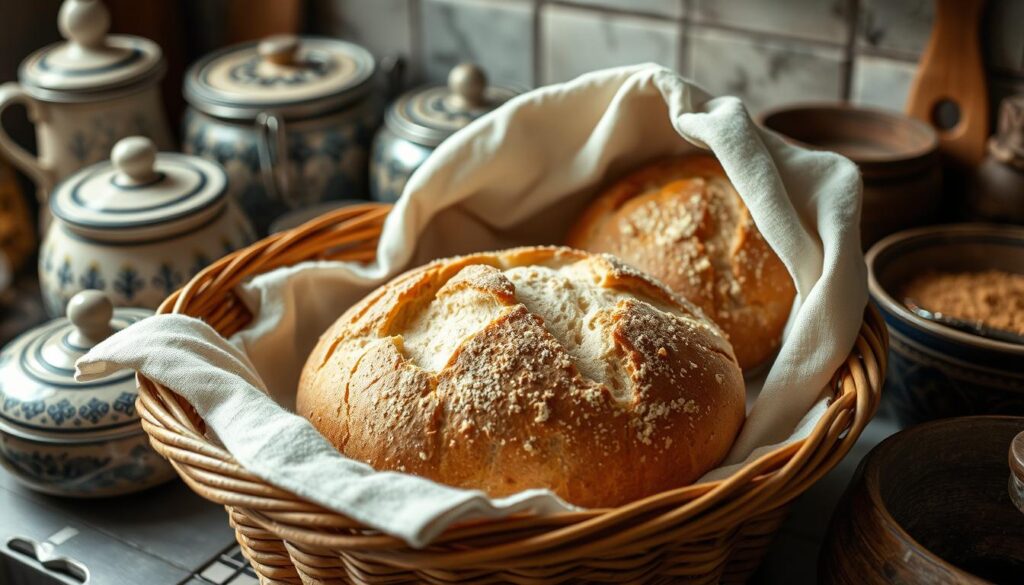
(517, 176)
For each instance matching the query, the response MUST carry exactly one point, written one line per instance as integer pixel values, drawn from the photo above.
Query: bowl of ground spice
(953, 299)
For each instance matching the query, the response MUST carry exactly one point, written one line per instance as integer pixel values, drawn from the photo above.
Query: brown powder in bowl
(993, 297)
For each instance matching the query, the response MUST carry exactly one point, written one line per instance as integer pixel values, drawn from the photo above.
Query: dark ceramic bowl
(930, 504)
(935, 371)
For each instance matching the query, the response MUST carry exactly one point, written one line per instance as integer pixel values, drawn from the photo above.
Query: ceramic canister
(138, 226)
(68, 438)
(421, 119)
(84, 94)
(290, 118)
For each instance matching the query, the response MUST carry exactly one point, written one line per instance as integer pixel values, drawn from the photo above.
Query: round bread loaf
(681, 221)
(528, 368)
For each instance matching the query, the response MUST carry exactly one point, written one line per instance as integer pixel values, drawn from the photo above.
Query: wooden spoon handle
(951, 72)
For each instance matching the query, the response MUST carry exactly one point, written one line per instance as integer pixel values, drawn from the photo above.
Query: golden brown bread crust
(681, 221)
(510, 408)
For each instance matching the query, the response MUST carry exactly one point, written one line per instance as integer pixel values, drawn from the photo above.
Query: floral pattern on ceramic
(290, 118)
(73, 438)
(924, 384)
(134, 276)
(99, 469)
(394, 160)
(420, 120)
(148, 240)
(327, 160)
(84, 94)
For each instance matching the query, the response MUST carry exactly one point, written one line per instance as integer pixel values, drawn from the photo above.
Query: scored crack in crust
(681, 221)
(535, 367)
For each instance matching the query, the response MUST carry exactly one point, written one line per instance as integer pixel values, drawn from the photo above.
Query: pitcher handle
(272, 148)
(11, 94)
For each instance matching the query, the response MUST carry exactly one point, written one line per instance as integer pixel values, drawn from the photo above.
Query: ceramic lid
(285, 74)
(89, 60)
(140, 190)
(39, 398)
(429, 115)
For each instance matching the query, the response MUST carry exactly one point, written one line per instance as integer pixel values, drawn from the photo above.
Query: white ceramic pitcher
(84, 94)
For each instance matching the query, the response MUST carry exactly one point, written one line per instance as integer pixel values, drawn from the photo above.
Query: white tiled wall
(498, 35)
(575, 39)
(767, 52)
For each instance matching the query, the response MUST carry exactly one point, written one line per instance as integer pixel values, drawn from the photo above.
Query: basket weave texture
(707, 533)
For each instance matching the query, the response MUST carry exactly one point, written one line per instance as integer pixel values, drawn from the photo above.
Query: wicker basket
(706, 533)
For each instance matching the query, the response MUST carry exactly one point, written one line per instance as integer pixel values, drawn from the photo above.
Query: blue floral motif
(222, 153)
(167, 278)
(249, 72)
(250, 157)
(61, 411)
(125, 403)
(79, 147)
(93, 278)
(32, 409)
(94, 410)
(334, 146)
(84, 474)
(200, 263)
(299, 151)
(127, 282)
(48, 261)
(10, 404)
(64, 275)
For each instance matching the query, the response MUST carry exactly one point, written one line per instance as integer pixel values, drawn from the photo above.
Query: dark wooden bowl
(930, 504)
(897, 155)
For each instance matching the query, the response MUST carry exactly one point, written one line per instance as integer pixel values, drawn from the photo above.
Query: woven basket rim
(768, 483)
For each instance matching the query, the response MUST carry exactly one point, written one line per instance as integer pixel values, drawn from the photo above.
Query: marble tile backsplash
(495, 34)
(768, 53)
(765, 73)
(576, 39)
(820, 20)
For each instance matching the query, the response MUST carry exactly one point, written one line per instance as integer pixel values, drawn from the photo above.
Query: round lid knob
(467, 82)
(279, 49)
(84, 22)
(90, 311)
(135, 159)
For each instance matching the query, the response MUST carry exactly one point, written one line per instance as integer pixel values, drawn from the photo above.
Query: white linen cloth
(519, 175)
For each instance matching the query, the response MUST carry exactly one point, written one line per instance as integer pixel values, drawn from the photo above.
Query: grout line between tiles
(538, 42)
(417, 60)
(852, 22)
(684, 39)
(612, 11)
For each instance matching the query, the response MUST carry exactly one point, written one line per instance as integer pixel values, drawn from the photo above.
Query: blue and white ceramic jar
(83, 94)
(290, 119)
(137, 227)
(67, 438)
(421, 119)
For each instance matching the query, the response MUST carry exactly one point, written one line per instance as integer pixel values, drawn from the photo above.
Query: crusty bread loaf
(681, 221)
(528, 368)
